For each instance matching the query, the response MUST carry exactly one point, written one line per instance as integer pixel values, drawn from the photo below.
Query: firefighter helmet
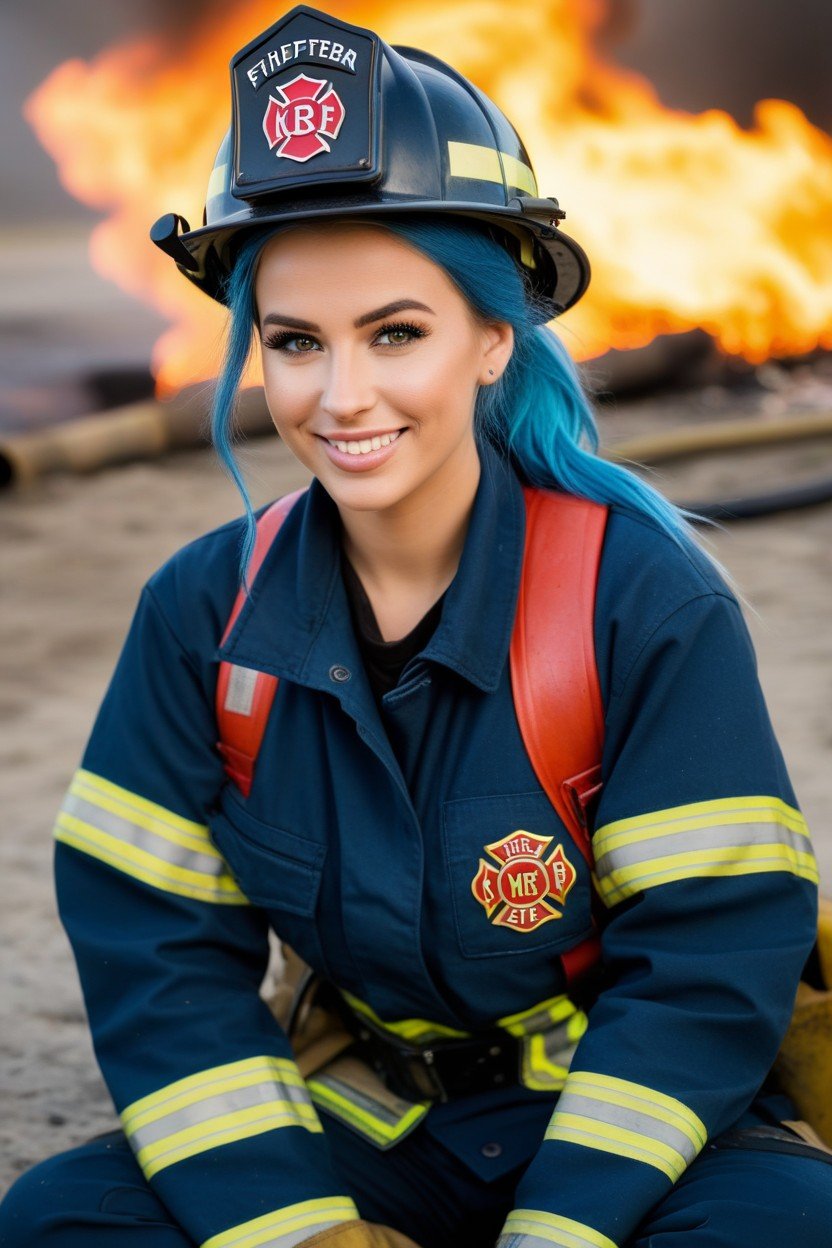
(328, 120)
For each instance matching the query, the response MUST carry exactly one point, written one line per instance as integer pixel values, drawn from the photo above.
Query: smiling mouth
(363, 446)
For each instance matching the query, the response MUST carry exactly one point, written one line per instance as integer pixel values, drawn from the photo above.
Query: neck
(417, 544)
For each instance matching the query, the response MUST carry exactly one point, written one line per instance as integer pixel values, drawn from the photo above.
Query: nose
(348, 389)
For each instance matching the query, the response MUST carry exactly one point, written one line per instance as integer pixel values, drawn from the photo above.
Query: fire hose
(147, 429)
(736, 435)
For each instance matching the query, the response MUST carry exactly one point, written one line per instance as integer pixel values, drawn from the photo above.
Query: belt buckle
(427, 1065)
(407, 1071)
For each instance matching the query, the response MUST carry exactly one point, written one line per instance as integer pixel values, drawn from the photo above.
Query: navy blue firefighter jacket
(360, 845)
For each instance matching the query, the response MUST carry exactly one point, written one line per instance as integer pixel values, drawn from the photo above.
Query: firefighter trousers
(748, 1192)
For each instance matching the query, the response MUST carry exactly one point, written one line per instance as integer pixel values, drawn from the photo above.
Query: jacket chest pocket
(518, 883)
(277, 870)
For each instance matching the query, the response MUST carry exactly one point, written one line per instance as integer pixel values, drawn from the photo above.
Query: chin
(364, 494)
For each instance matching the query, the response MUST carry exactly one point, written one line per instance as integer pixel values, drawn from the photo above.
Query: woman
(406, 365)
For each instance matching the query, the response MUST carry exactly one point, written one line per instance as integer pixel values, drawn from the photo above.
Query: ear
(498, 344)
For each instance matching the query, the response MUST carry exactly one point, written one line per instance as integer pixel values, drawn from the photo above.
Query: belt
(440, 1071)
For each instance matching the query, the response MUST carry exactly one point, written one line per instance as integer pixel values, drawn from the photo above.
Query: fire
(690, 221)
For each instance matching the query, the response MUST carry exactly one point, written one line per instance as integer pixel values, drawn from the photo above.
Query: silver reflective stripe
(627, 1119)
(534, 1241)
(218, 1106)
(542, 1021)
(559, 1049)
(142, 838)
(532, 1228)
(289, 1240)
(286, 1227)
(239, 695)
(360, 1100)
(719, 836)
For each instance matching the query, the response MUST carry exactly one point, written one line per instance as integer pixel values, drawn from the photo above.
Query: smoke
(717, 55)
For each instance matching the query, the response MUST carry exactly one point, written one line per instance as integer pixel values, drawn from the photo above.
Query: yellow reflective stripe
(144, 841)
(485, 164)
(574, 1129)
(207, 1083)
(286, 1227)
(698, 814)
(728, 837)
(637, 1096)
(218, 181)
(629, 1119)
(415, 1029)
(215, 1107)
(227, 1129)
(535, 1227)
(753, 861)
(576, 1026)
(549, 1032)
(538, 1017)
(539, 1073)
(108, 793)
(344, 1105)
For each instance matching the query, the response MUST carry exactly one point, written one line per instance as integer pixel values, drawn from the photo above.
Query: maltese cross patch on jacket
(525, 888)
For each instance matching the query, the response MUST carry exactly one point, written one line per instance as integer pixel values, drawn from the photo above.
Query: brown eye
(287, 343)
(400, 335)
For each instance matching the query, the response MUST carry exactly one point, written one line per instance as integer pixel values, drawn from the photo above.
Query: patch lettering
(526, 887)
(296, 123)
(310, 50)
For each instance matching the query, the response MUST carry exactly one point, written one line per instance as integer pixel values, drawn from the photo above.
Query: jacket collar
(296, 624)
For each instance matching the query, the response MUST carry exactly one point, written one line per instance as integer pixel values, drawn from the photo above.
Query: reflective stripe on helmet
(471, 160)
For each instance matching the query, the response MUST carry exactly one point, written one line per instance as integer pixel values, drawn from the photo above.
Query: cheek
(288, 394)
(441, 385)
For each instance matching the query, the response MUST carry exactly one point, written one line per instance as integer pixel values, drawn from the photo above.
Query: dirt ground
(75, 552)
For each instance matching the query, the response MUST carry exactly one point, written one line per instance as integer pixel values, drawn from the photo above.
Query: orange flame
(689, 221)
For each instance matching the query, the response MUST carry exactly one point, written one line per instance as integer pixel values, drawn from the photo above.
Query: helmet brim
(558, 278)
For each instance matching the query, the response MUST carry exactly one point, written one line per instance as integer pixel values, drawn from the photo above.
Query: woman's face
(371, 363)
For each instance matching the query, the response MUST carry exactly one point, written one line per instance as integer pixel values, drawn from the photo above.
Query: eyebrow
(399, 305)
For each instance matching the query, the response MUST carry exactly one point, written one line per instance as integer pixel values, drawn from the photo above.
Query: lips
(363, 445)
(354, 459)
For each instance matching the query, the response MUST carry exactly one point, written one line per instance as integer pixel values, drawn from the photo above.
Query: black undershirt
(383, 660)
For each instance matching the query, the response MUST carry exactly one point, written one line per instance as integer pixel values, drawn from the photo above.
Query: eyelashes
(279, 340)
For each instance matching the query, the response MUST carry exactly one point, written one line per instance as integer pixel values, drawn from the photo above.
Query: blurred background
(689, 145)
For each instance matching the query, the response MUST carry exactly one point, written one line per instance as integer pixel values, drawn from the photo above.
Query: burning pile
(689, 221)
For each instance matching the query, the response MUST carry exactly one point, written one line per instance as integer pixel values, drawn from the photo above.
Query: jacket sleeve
(708, 886)
(171, 956)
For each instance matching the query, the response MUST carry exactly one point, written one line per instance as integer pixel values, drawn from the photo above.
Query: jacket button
(491, 1150)
(339, 674)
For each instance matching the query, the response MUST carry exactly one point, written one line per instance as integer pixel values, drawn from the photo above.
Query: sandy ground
(75, 553)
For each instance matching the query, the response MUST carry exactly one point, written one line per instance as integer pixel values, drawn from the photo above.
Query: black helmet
(329, 120)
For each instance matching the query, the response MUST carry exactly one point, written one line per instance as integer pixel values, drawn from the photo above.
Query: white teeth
(363, 445)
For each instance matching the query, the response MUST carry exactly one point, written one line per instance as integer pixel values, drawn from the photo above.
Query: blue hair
(537, 413)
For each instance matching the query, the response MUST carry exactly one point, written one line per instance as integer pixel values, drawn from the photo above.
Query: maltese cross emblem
(296, 123)
(525, 888)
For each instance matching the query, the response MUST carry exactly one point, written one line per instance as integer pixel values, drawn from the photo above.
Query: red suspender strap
(244, 697)
(554, 677)
(552, 657)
